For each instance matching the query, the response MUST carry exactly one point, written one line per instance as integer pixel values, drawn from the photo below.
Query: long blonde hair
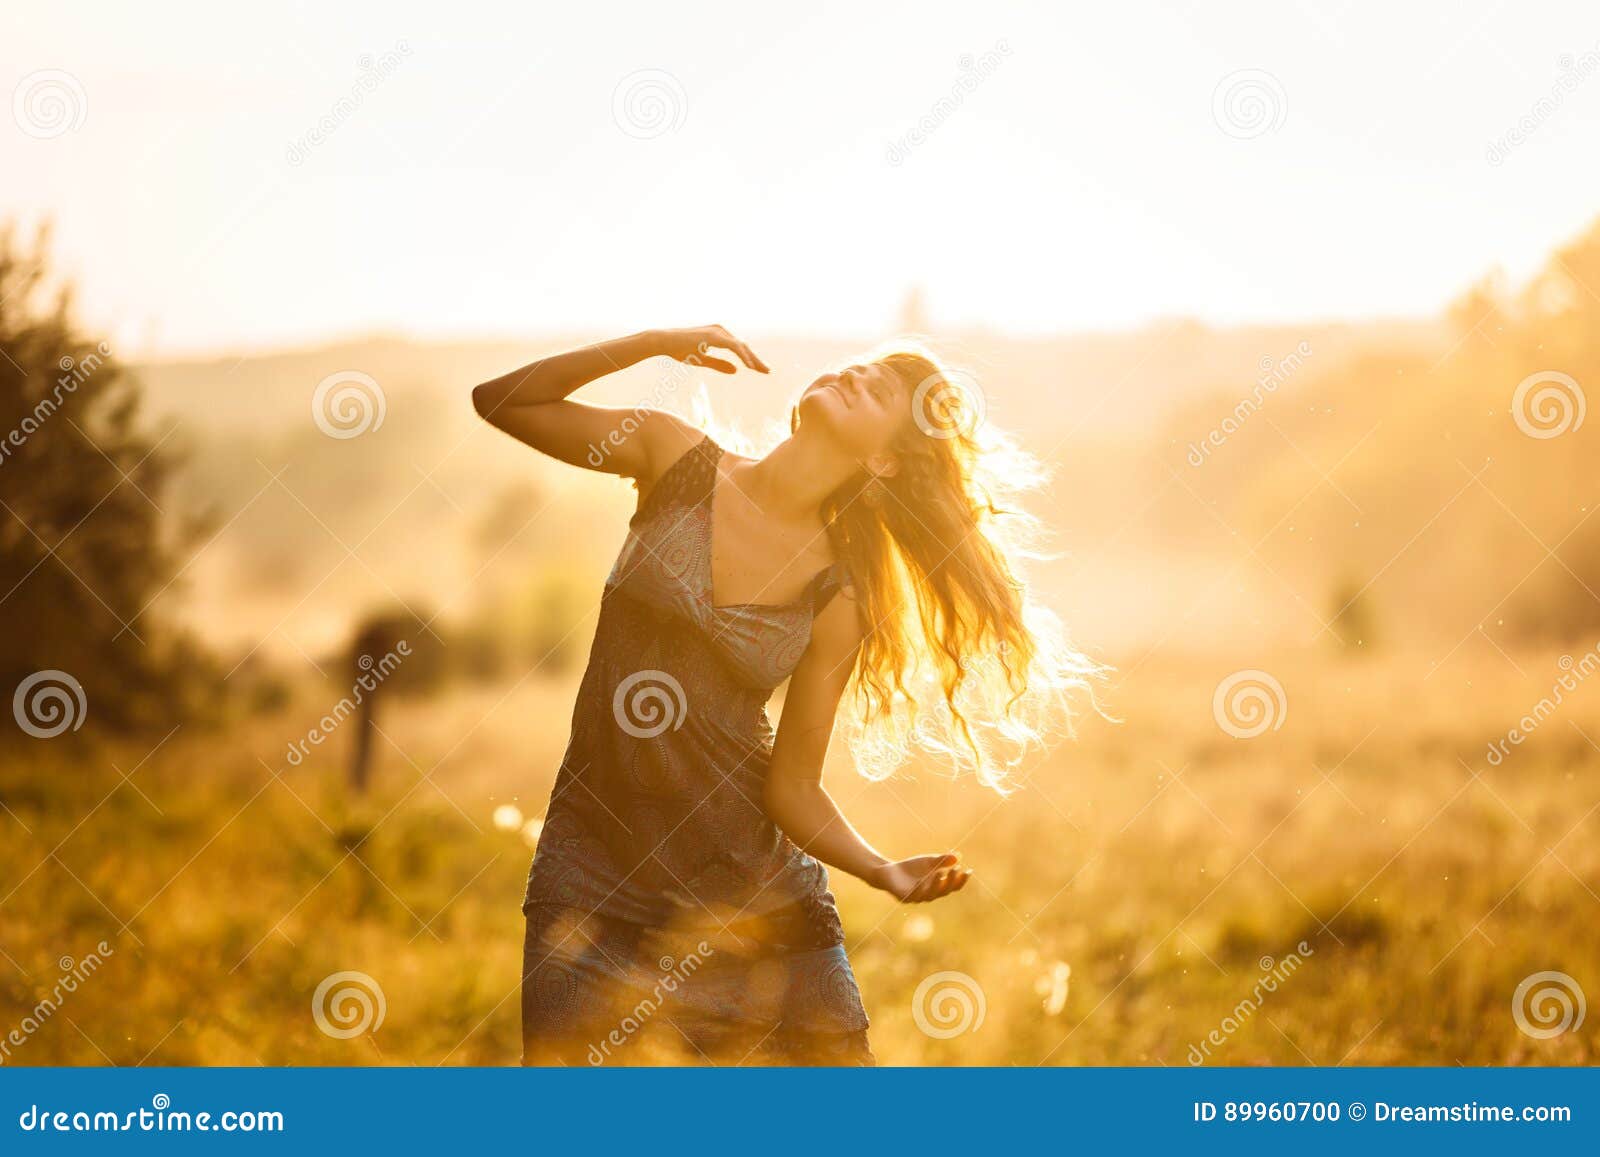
(957, 660)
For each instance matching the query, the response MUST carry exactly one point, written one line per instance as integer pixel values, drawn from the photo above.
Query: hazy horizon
(314, 344)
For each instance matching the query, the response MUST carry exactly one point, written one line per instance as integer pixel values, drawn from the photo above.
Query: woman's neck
(796, 476)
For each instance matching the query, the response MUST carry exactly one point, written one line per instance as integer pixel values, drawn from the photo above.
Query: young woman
(677, 906)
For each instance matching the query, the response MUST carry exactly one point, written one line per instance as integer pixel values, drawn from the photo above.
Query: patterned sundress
(668, 919)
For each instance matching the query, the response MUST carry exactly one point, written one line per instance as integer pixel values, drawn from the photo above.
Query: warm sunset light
(1024, 536)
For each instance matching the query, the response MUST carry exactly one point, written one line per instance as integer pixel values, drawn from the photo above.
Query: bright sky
(487, 185)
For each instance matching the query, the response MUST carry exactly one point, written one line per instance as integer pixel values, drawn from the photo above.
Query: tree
(88, 542)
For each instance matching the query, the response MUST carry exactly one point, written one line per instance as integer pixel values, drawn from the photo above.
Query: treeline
(1424, 495)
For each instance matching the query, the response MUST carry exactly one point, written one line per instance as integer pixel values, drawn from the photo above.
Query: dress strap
(827, 584)
(688, 481)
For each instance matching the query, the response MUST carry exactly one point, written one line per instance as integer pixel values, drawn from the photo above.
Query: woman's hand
(922, 878)
(691, 345)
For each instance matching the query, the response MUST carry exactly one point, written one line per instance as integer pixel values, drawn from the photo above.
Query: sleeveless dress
(668, 919)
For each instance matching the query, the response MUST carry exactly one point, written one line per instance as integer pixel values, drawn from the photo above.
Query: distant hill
(314, 530)
(1112, 383)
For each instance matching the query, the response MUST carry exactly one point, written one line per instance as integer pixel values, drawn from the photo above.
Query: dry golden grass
(1158, 861)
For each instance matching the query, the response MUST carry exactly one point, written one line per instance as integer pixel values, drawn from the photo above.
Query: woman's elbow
(785, 800)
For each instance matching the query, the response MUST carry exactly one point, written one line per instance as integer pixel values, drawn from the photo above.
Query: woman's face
(862, 407)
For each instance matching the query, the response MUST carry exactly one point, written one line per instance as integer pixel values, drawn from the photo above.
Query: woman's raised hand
(922, 878)
(692, 347)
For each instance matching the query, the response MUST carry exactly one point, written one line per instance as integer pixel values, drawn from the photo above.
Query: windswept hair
(957, 660)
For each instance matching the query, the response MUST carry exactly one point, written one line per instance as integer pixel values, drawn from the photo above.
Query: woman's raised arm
(531, 404)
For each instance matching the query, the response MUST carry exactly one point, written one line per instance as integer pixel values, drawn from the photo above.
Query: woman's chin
(821, 410)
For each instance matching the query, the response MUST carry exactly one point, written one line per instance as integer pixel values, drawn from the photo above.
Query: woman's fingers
(939, 883)
(933, 876)
(748, 356)
(718, 336)
(944, 882)
(721, 365)
(744, 353)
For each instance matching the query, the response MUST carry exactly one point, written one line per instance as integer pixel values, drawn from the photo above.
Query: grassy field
(1124, 906)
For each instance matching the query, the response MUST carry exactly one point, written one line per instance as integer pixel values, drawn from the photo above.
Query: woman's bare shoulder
(666, 438)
